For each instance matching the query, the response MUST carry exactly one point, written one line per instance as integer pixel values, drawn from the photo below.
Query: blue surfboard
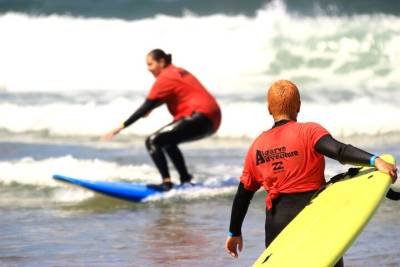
(129, 191)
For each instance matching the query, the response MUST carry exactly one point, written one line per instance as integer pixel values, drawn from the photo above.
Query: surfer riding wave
(196, 115)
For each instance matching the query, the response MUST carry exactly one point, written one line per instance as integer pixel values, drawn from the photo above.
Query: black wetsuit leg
(285, 208)
(176, 156)
(340, 263)
(168, 137)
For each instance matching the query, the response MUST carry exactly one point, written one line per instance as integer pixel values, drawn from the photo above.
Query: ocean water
(70, 72)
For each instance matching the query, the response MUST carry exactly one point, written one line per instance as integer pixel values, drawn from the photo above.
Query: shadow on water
(99, 203)
(103, 204)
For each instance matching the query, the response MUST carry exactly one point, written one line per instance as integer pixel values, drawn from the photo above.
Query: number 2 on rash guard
(184, 95)
(283, 160)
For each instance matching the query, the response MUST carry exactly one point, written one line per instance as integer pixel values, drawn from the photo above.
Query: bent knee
(153, 142)
(150, 144)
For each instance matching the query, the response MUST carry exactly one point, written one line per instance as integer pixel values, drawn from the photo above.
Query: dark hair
(158, 54)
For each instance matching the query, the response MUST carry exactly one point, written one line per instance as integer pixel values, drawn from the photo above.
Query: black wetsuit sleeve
(240, 206)
(334, 149)
(146, 107)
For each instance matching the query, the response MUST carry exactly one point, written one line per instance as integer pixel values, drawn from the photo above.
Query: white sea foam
(38, 173)
(212, 180)
(28, 171)
(348, 66)
(347, 69)
(240, 118)
(228, 53)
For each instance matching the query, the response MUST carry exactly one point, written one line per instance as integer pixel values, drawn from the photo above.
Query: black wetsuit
(287, 206)
(168, 137)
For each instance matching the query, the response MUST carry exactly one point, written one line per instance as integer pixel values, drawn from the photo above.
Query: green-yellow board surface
(323, 231)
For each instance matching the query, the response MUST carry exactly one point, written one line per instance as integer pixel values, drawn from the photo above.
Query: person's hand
(231, 245)
(108, 136)
(386, 167)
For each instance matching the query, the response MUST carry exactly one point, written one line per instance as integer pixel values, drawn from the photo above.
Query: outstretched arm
(147, 106)
(334, 149)
(240, 206)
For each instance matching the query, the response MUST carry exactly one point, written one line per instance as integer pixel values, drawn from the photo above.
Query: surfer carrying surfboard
(196, 114)
(288, 161)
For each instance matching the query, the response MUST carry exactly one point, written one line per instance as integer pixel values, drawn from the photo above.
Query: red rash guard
(184, 94)
(283, 160)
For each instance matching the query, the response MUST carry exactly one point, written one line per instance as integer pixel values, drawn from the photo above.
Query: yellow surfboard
(322, 232)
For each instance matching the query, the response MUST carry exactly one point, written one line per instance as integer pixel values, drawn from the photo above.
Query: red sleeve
(315, 132)
(248, 178)
(160, 90)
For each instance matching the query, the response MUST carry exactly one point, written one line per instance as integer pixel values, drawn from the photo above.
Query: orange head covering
(283, 99)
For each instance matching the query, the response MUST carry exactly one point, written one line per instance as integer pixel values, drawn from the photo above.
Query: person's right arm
(147, 106)
(343, 153)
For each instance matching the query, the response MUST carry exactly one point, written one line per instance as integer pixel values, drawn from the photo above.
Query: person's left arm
(240, 206)
(247, 187)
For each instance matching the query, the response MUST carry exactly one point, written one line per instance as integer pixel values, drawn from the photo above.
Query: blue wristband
(230, 234)
(372, 160)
